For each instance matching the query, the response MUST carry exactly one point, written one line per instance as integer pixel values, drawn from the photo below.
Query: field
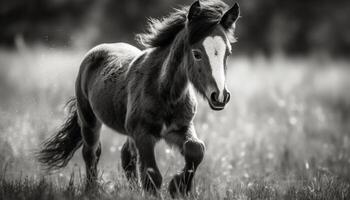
(284, 135)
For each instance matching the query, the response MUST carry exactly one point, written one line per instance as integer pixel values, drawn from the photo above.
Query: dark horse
(148, 95)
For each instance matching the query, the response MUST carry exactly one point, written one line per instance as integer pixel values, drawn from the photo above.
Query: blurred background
(268, 27)
(288, 121)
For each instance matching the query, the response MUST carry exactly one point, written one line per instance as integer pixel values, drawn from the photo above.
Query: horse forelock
(202, 24)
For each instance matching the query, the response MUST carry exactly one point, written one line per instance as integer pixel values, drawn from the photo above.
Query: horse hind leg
(91, 153)
(90, 130)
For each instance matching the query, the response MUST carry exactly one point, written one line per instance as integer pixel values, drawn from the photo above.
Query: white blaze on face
(215, 48)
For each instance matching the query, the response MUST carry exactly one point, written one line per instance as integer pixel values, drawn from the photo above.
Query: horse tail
(57, 150)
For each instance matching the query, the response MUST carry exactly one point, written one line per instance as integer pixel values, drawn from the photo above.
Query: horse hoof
(91, 186)
(178, 186)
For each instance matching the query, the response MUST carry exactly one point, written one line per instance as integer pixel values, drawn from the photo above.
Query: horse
(149, 95)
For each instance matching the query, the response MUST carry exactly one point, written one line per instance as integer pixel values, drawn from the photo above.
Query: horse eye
(197, 54)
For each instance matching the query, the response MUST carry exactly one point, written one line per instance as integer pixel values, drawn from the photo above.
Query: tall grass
(284, 135)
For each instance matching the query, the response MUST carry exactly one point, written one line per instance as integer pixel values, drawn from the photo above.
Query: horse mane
(161, 32)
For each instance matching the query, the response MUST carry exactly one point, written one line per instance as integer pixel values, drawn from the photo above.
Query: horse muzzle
(214, 100)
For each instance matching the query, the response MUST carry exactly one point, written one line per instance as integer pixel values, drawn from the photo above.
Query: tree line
(294, 27)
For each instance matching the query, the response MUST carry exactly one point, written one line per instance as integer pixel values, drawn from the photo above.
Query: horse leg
(90, 130)
(129, 158)
(149, 174)
(193, 151)
(91, 153)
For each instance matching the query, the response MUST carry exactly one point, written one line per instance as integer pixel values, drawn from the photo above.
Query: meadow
(284, 135)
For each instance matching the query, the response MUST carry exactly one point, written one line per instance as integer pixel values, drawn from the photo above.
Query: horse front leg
(129, 160)
(192, 149)
(149, 174)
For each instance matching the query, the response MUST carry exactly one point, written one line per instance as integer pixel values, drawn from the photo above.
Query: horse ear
(194, 10)
(230, 17)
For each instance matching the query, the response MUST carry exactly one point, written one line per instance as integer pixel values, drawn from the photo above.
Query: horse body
(111, 73)
(148, 95)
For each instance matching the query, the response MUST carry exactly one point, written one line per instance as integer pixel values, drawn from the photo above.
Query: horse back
(101, 83)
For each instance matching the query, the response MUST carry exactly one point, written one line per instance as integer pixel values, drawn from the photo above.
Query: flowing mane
(162, 32)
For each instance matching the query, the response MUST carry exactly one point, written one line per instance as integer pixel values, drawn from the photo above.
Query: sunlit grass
(284, 135)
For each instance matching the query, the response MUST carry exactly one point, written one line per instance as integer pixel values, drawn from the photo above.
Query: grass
(284, 135)
(322, 187)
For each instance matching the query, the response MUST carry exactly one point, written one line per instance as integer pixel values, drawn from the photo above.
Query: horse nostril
(227, 97)
(214, 97)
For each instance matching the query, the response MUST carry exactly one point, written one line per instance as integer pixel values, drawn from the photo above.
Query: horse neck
(173, 76)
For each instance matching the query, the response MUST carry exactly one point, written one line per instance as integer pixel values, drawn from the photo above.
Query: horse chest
(180, 114)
